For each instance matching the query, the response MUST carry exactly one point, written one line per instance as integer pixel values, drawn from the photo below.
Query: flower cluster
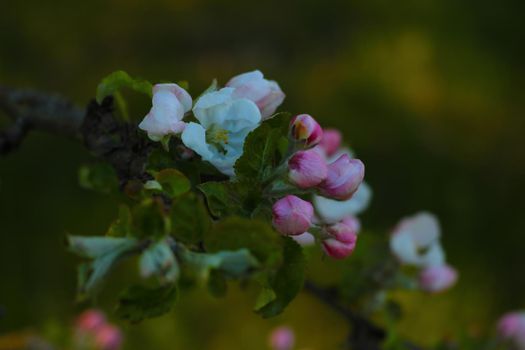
(331, 177)
(416, 242)
(92, 331)
(511, 329)
(225, 116)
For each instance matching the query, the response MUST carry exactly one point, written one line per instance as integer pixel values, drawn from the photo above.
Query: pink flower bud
(282, 338)
(342, 241)
(108, 337)
(266, 94)
(90, 320)
(292, 215)
(343, 179)
(435, 279)
(511, 327)
(307, 169)
(304, 239)
(170, 102)
(305, 128)
(353, 223)
(331, 141)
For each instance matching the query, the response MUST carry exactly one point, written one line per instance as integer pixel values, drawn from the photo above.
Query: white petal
(242, 114)
(166, 107)
(182, 95)
(244, 78)
(423, 226)
(194, 137)
(331, 211)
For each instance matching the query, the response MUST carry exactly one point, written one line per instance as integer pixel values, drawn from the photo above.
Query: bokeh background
(430, 94)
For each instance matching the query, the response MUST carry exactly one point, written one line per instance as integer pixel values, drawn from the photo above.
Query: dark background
(430, 94)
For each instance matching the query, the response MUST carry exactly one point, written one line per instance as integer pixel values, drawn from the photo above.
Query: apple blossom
(224, 124)
(282, 338)
(304, 239)
(266, 94)
(415, 241)
(90, 320)
(170, 102)
(292, 215)
(304, 127)
(108, 337)
(343, 179)
(307, 169)
(437, 278)
(331, 141)
(511, 328)
(331, 211)
(342, 238)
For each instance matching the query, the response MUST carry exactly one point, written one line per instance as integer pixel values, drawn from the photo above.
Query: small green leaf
(138, 303)
(150, 218)
(266, 296)
(96, 246)
(288, 281)
(258, 237)
(123, 226)
(173, 182)
(158, 260)
(105, 251)
(233, 263)
(190, 220)
(100, 177)
(262, 150)
(231, 198)
(120, 79)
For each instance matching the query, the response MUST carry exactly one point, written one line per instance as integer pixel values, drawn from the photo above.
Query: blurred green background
(429, 93)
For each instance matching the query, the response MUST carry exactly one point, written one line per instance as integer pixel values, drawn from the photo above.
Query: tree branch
(30, 109)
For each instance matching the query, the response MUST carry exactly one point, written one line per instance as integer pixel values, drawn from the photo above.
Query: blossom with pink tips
(266, 94)
(282, 338)
(307, 169)
(108, 337)
(304, 127)
(436, 279)
(511, 328)
(92, 331)
(343, 178)
(170, 102)
(342, 239)
(292, 215)
(90, 320)
(331, 141)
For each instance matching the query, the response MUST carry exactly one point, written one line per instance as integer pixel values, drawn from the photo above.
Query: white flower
(170, 102)
(224, 124)
(415, 241)
(331, 211)
(266, 94)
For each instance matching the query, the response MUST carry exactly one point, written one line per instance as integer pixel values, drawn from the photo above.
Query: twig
(364, 335)
(29, 109)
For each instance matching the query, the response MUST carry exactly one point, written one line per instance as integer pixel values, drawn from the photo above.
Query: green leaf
(138, 303)
(288, 281)
(263, 148)
(97, 246)
(258, 237)
(100, 177)
(173, 182)
(231, 198)
(118, 80)
(217, 285)
(190, 220)
(150, 218)
(158, 260)
(123, 226)
(234, 264)
(105, 251)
